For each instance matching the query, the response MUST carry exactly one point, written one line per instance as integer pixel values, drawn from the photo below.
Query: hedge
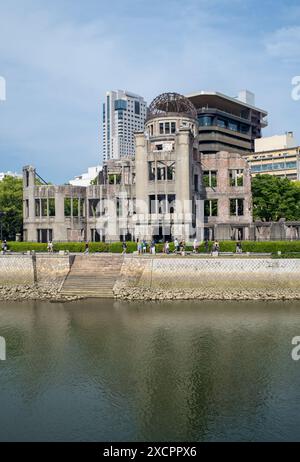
(78, 247)
(116, 247)
(25, 246)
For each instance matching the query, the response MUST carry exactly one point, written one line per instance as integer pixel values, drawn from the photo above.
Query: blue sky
(60, 56)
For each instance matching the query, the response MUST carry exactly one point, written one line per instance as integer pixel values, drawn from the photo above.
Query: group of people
(180, 247)
(142, 247)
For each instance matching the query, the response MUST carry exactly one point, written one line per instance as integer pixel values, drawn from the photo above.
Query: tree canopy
(11, 207)
(275, 198)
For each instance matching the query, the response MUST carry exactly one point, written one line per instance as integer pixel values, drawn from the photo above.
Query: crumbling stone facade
(169, 190)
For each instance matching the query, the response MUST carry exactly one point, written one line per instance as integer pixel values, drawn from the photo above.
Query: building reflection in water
(106, 370)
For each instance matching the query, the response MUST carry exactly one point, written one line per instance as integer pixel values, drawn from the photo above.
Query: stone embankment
(35, 292)
(138, 293)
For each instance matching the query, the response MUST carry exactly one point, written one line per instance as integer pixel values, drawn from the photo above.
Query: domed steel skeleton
(172, 103)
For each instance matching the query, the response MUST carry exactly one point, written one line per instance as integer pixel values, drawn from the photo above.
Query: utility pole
(2, 215)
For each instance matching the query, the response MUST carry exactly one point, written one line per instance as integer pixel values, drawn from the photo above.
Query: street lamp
(2, 214)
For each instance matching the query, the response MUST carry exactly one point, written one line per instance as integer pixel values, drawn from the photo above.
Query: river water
(155, 371)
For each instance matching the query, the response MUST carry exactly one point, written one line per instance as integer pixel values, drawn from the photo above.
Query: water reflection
(105, 370)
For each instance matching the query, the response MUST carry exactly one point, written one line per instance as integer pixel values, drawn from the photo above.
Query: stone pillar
(142, 229)
(59, 206)
(141, 174)
(184, 149)
(58, 224)
(28, 190)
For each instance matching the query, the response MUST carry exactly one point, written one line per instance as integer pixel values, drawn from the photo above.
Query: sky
(59, 57)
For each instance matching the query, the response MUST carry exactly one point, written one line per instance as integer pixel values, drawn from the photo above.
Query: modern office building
(226, 123)
(123, 114)
(277, 155)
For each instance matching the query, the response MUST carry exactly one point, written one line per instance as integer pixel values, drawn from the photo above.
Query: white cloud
(285, 44)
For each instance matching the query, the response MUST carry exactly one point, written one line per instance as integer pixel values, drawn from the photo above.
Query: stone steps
(93, 276)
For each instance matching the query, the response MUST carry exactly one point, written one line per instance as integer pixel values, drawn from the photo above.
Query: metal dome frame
(172, 103)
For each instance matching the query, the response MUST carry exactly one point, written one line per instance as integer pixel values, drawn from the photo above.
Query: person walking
(206, 246)
(182, 247)
(124, 247)
(144, 246)
(195, 246)
(152, 247)
(215, 248)
(238, 247)
(176, 245)
(4, 247)
(167, 247)
(139, 247)
(50, 247)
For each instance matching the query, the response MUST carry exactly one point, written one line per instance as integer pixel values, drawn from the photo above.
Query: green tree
(275, 198)
(11, 206)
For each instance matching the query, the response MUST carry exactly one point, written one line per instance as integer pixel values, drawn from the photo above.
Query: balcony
(215, 131)
(215, 111)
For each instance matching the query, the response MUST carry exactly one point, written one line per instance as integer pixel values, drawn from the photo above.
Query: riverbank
(35, 292)
(136, 293)
(148, 278)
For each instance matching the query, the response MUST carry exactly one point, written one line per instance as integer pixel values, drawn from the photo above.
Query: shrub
(25, 246)
(69, 246)
(271, 246)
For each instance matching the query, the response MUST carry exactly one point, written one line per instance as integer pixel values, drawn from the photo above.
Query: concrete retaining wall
(26, 269)
(16, 270)
(212, 273)
(51, 268)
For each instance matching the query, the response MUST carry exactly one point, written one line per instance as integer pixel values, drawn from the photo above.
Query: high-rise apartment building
(124, 113)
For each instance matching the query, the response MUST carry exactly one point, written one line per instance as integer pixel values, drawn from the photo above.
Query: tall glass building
(226, 123)
(123, 114)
